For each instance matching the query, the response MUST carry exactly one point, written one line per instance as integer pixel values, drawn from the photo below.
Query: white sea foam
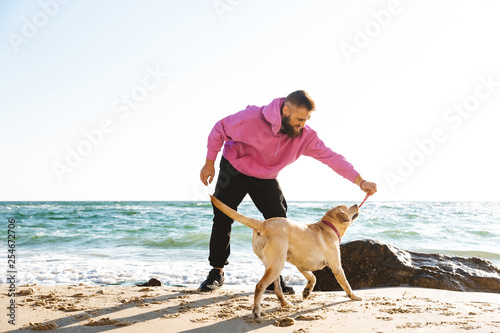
(59, 268)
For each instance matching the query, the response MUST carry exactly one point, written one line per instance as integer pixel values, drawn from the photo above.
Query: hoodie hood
(272, 114)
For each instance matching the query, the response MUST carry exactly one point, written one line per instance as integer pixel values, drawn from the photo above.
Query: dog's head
(342, 217)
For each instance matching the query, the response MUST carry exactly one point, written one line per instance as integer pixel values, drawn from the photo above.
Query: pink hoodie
(255, 146)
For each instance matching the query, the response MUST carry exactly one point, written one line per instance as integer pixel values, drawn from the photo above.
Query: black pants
(232, 186)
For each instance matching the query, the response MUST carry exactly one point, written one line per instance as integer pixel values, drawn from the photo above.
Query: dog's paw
(355, 298)
(256, 313)
(286, 304)
(306, 293)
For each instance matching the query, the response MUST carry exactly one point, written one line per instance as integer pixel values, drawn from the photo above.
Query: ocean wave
(481, 232)
(186, 241)
(46, 239)
(493, 256)
(397, 234)
(129, 212)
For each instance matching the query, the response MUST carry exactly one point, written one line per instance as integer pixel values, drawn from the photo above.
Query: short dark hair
(301, 99)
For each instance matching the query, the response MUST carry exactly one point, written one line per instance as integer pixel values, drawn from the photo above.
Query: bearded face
(289, 129)
(293, 119)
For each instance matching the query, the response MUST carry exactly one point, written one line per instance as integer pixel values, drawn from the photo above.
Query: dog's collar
(333, 227)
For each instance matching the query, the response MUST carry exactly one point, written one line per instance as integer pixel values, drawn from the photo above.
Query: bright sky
(114, 100)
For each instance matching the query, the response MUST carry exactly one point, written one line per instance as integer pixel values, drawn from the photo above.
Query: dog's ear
(342, 217)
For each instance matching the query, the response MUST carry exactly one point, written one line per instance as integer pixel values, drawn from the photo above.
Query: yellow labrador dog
(309, 247)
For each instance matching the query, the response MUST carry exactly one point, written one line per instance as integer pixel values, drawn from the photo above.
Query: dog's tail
(248, 221)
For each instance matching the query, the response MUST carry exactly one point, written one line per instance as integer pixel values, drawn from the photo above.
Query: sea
(126, 243)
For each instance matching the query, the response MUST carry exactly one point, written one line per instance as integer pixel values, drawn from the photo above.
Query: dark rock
(368, 264)
(151, 283)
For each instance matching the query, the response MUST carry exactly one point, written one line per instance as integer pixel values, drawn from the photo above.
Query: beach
(83, 308)
(78, 264)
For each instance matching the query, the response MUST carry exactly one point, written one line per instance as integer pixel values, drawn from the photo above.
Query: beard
(288, 129)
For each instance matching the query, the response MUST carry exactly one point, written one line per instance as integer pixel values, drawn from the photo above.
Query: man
(258, 143)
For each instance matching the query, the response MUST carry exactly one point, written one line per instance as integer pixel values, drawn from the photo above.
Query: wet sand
(182, 309)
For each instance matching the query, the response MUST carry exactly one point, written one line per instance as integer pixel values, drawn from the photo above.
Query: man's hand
(207, 173)
(366, 186)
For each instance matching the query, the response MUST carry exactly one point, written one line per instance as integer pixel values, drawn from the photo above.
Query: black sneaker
(284, 287)
(214, 281)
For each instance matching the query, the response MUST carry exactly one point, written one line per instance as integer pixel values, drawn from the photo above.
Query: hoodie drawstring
(279, 144)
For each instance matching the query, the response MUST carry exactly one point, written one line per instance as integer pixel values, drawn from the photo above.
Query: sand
(182, 309)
